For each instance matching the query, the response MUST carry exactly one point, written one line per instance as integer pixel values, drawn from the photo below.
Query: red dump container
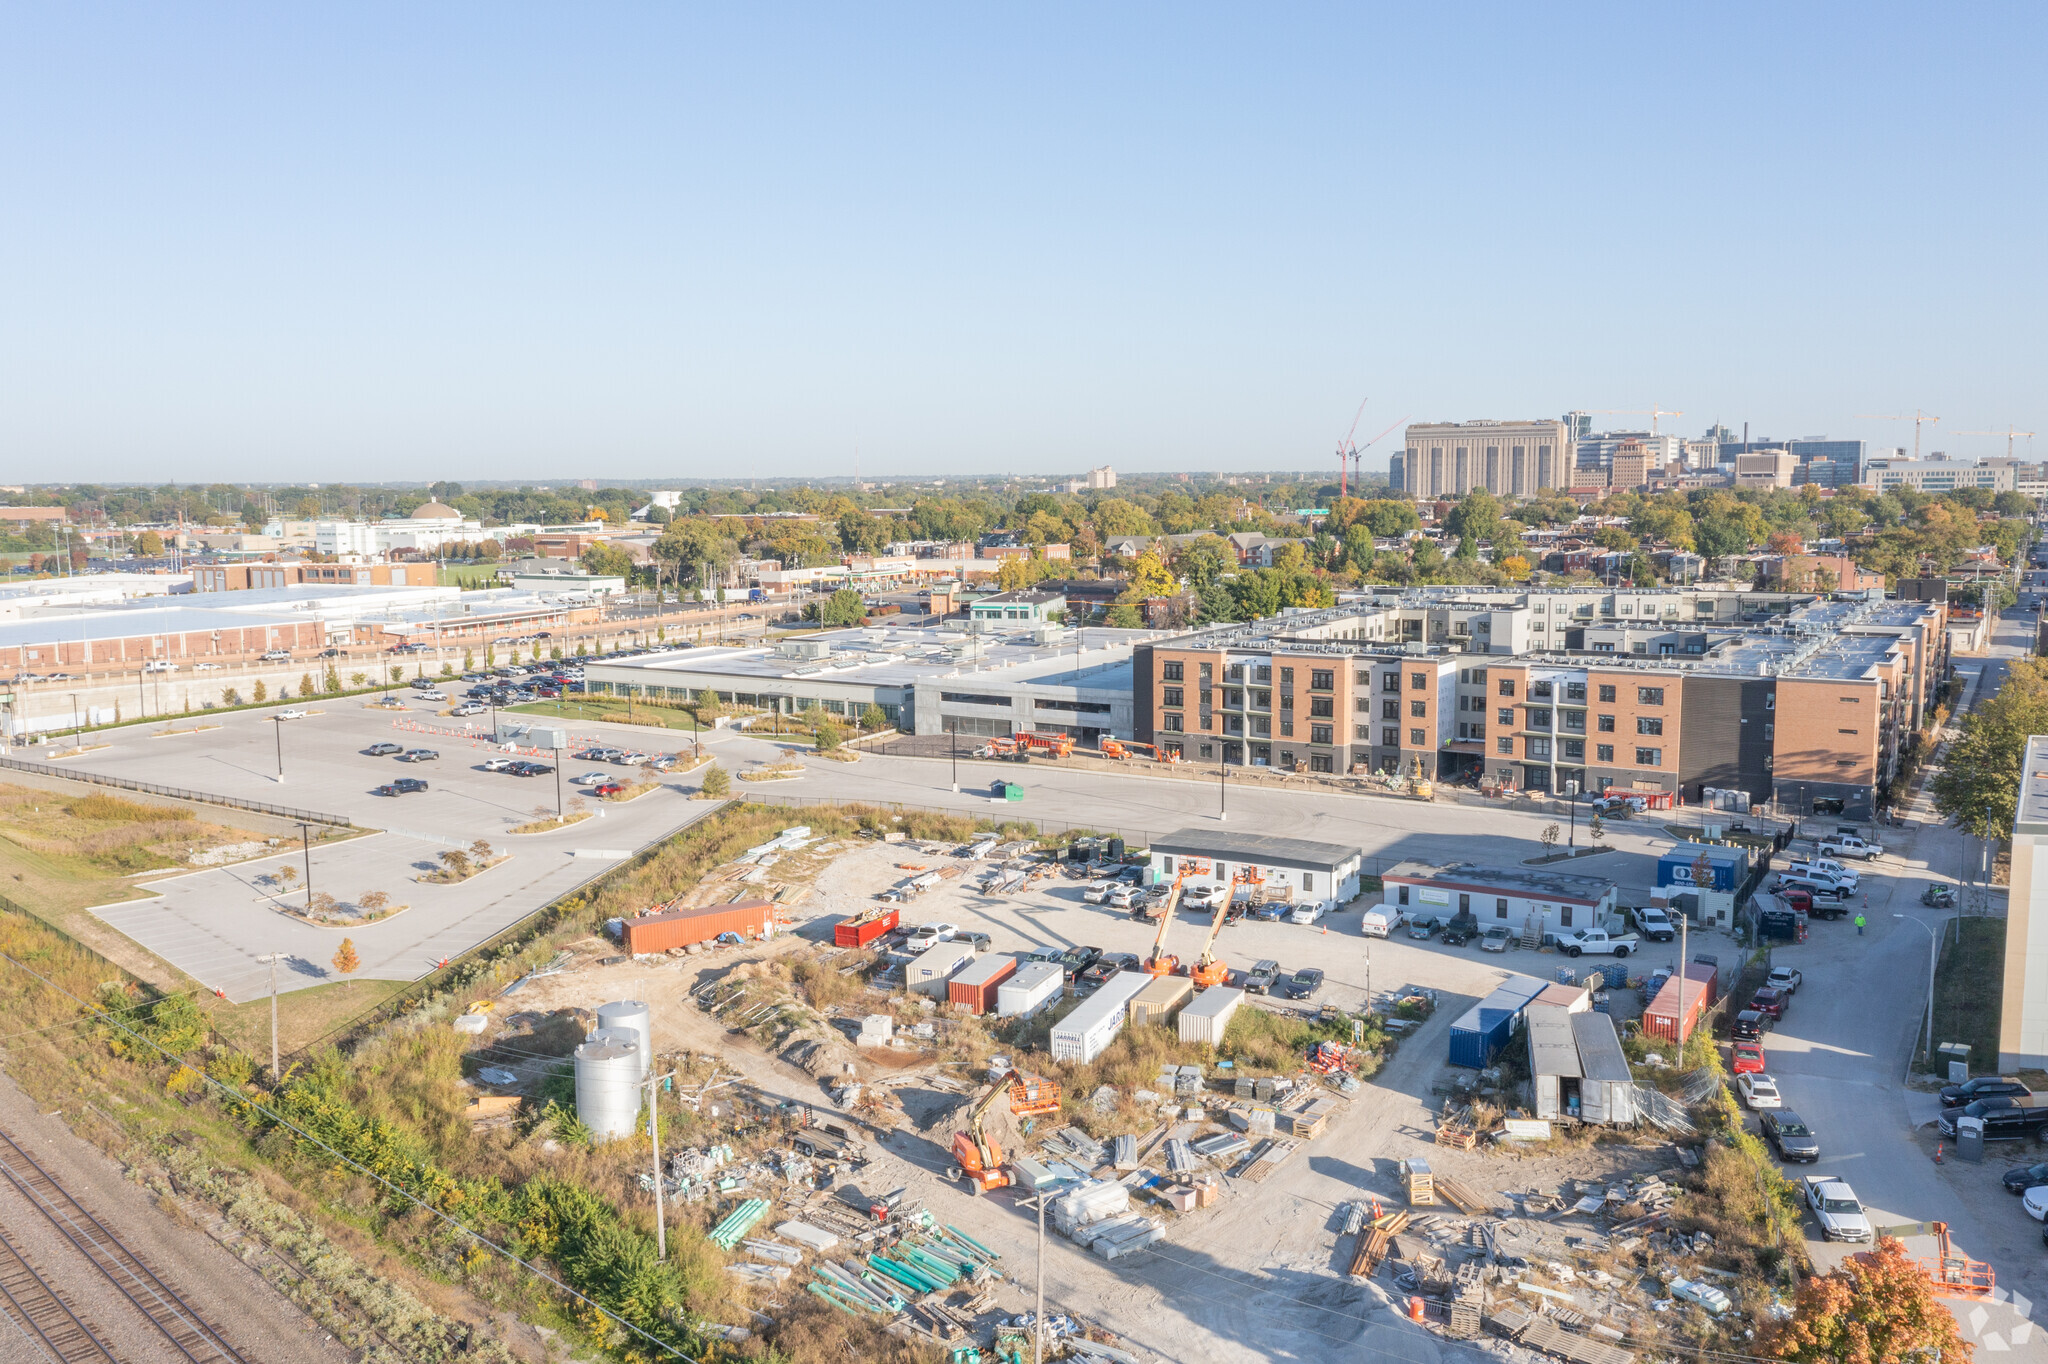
(974, 989)
(1661, 1018)
(681, 927)
(864, 928)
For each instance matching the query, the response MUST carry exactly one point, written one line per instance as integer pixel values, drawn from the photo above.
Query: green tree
(1387, 518)
(843, 607)
(1475, 520)
(609, 560)
(261, 691)
(860, 533)
(333, 682)
(707, 703)
(1149, 578)
(717, 782)
(1979, 781)
(1124, 616)
(874, 717)
(149, 544)
(825, 732)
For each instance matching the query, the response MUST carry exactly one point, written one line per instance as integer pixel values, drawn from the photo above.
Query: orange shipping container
(681, 927)
(974, 989)
(1661, 1018)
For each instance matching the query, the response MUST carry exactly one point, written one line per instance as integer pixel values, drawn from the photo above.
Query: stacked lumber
(1373, 1243)
(1460, 1196)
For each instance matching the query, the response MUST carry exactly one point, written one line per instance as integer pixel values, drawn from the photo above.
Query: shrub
(717, 782)
(261, 691)
(305, 684)
(346, 960)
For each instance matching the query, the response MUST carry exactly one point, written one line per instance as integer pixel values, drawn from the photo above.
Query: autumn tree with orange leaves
(1878, 1308)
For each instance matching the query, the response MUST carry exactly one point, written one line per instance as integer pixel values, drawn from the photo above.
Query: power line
(353, 1164)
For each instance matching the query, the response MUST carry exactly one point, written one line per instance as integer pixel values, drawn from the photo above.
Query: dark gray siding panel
(1142, 695)
(1724, 744)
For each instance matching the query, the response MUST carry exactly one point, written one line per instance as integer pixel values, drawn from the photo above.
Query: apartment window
(1322, 679)
(1504, 716)
(1404, 895)
(1390, 682)
(1390, 710)
(1286, 678)
(1286, 760)
(1418, 710)
(1362, 704)
(1649, 724)
(1649, 696)
(1363, 679)
(1265, 672)
(1500, 907)
(1770, 700)
(1418, 738)
(1171, 724)
(1233, 698)
(1391, 738)
(1564, 916)
(1319, 734)
(1322, 707)
(1208, 673)
(1507, 686)
(1607, 724)
(1286, 726)
(1573, 720)
(1606, 692)
(1538, 749)
(1575, 750)
(1261, 725)
(1649, 757)
(1504, 745)
(1540, 689)
(1539, 717)
(1262, 700)
(1208, 750)
(1172, 672)
(1418, 681)
(1479, 676)
(1464, 703)
(1603, 753)
(1770, 732)
(1172, 696)
(1362, 733)
(1287, 700)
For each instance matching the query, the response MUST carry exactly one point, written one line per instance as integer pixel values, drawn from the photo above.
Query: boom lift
(977, 1156)
(1123, 749)
(1160, 962)
(1207, 970)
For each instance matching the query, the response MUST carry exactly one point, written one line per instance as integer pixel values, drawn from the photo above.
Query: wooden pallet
(1373, 1242)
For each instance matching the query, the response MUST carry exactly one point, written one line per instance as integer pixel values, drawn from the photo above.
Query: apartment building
(1937, 475)
(1677, 691)
(1509, 459)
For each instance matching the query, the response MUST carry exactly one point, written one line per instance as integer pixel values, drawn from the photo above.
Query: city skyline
(664, 245)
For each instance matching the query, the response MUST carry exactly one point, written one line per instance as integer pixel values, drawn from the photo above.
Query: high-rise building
(1508, 459)
(1596, 449)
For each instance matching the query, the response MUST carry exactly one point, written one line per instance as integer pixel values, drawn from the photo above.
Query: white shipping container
(1206, 1018)
(1035, 984)
(1082, 1034)
(933, 967)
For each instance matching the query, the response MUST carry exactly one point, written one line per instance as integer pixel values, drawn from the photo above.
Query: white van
(1379, 921)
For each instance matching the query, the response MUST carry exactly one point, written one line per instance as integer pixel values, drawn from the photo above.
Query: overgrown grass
(1969, 991)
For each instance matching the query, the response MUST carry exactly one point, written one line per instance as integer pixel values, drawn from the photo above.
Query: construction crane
(2008, 433)
(977, 1156)
(1358, 451)
(1160, 962)
(1347, 451)
(1653, 412)
(1207, 970)
(1917, 417)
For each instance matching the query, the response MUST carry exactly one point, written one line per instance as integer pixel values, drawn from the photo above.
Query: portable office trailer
(1161, 1000)
(1607, 1088)
(930, 969)
(1482, 1032)
(1661, 1019)
(974, 989)
(1209, 1016)
(1554, 1071)
(1035, 984)
(1082, 1034)
(682, 927)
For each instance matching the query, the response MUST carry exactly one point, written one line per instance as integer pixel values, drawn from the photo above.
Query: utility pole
(954, 730)
(558, 784)
(306, 844)
(277, 732)
(654, 1135)
(1684, 922)
(1038, 1317)
(276, 1075)
(1222, 790)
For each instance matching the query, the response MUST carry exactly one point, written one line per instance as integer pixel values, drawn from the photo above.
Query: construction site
(906, 1059)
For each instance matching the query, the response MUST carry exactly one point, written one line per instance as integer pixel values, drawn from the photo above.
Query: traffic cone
(1938, 1148)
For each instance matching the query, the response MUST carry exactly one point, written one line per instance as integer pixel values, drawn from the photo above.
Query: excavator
(1160, 962)
(977, 1156)
(1207, 970)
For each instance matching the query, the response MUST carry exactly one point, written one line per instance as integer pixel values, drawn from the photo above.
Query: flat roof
(79, 626)
(2033, 803)
(1551, 1048)
(1600, 1054)
(1534, 884)
(1265, 850)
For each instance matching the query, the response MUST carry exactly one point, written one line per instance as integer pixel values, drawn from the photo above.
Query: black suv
(1982, 1087)
(2004, 1118)
(1075, 960)
(1261, 978)
(1748, 1026)
(403, 786)
(1305, 983)
(1788, 1132)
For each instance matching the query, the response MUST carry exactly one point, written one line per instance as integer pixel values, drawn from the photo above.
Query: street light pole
(1572, 788)
(1933, 948)
(277, 732)
(1038, 1317)
(276, 1076)
(954, 730)
(1222, 789)
(306, 844)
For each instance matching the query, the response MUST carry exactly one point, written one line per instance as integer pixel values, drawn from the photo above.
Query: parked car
(927, 935)
(1748, 1026)
(1097, 892)
(1075, 960)
(1983, 1087)
(1819, 887)
(608, 788)
(1849, 845)
(1422, 927)
(403, 786)
(1305, 983)
(1785, 979)
(2035, 1201)
(1619, 805)
(498, 764)
(1759, 1091)
(418, 755)
(1262, 977)
(1837, 1209)
(431, 694)
(1272, 911)
(1599, 943)
(1108, 964)
(2005, 1118)
(277, 656)
(468, 708)
(1495, 939)
(159, 665)
(591, 779)
(1823, 867)
(1460, 930)
(2021, 1178)
(291, 713)
(1770, 1002)
(1654, 924)
(1124, 895)
(1747, 1058)
(384, 750)
(530, 769)
(1207, 896)
(1308, 912)
(1789, 1135)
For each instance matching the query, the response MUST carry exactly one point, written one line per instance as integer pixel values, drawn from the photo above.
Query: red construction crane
(1347, 451)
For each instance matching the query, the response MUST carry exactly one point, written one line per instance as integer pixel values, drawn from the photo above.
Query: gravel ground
(228, 1295)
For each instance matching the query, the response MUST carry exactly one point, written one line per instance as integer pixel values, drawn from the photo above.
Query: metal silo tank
(608, 1085)
(631, 1014)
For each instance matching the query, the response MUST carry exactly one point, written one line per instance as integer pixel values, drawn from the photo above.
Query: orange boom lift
(1160, 962)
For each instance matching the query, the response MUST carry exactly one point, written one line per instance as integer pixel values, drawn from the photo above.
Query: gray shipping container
(933, 967)
(1206, 1018)
(1553, 1060)
(1082, 1034)
(1607, 1094)
(1036, 984)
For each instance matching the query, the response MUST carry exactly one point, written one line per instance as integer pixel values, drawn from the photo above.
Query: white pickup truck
(1836, 1208)
(1850, 845)
(1599, 942)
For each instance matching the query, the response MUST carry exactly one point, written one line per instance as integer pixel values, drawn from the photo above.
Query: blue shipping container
(1675, 868)
(1483, 1031)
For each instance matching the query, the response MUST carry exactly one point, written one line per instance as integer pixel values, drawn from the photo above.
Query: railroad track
(179, 1322)
(40, 1315)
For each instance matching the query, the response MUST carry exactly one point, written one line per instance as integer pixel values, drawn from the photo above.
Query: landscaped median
(1969, 990)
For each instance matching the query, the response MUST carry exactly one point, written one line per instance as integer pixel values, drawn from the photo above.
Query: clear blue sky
(417, 241)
